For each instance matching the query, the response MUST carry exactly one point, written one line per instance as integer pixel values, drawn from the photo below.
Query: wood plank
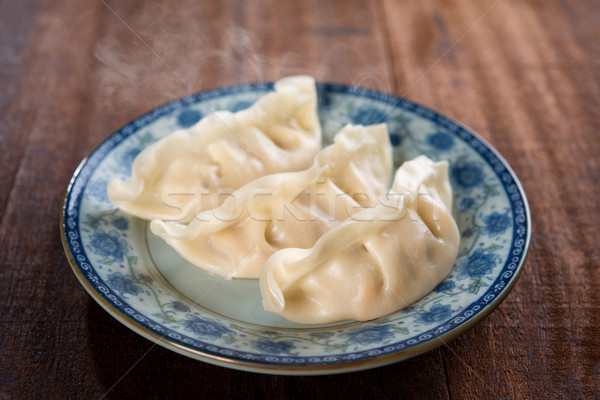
(522, 81)
(525, 77)
(37, 293)
(323, 39)
(97, 67)
(18, 113)
(179, 376)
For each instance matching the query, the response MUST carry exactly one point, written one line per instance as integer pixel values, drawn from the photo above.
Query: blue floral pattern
(437, 313)
(121, 223)
(324, 99)
(97, 190)
(467, 175)
(187, 118)
(269, 346)
(395, 139)
(127, 157)
(466, 203)
(478, 264)
(206, 328)
(179, 306)
(109, 244)
(239, 105)
(496, 224)
(322, 335)
(441, 141)
(491, 213)
(369, 116)
(369, 335)
(123, 284)
(445, 286)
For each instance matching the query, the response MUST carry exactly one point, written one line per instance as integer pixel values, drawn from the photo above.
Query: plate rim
(339, 366)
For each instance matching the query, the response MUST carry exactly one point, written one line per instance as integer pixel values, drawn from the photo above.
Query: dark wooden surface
(524, 74)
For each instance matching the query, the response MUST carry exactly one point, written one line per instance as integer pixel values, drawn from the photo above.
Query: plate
(145, 285)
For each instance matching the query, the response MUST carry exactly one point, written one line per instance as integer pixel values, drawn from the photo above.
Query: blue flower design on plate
(445, 286)
(97, 190)
(369, 116)
(370, 334)
(269, 346)
(239, 105)
(324, 99)
(467, 175)
(466, 203)
(483, 190)
(441, 141)
(123, 284)
(179, 306)
(121, 223)
(496, 223)
(126, 158)
(478, 264)
(322, 335)
(109, 244)
(206, 328)
(395, 139)
(437, 313)
(187, 118)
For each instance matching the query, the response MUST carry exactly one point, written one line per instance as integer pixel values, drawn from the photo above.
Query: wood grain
(534, 90)
(524, 74)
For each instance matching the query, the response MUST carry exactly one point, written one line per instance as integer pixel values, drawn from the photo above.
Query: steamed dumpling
(287, 209)
(190, 170)
(380, 260)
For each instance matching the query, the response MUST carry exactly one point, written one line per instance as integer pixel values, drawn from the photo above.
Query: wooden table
(524, 74)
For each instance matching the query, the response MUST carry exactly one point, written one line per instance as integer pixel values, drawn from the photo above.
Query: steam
(155, 58)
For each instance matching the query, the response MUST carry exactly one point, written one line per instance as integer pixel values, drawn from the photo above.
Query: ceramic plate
(144, 284)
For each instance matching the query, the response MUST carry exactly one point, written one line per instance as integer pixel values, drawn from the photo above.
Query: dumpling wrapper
(190, 169)
(380, 260)
(289, 209)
